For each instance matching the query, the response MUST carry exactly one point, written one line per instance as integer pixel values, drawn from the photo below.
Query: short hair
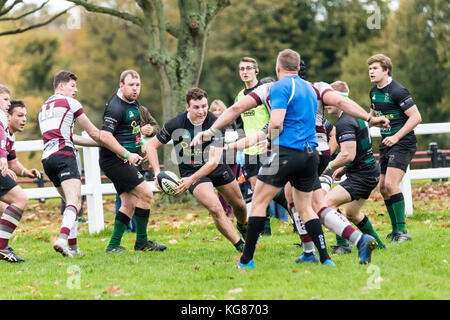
(251, 60)
(63, 77)
(4, 89)
(340, 86)
(129, 72)
(289, 60)
(267, 80)
(15, 104)
(195, 94)
(219, 104)
(384, 61)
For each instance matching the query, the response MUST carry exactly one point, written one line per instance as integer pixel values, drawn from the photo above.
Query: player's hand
(184, 184)
(11, 173)
(380, 122)
(156, 181)
(32, 173)
(338, 173)
(3, 166)
(390, 141)
(201, 137)
(264, 146)
(134, 159)
(147, 130)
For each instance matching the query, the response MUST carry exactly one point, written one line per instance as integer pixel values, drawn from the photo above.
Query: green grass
(199, 262)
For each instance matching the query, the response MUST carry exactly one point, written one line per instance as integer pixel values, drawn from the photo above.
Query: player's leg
(262, 196)
(144, 196)
(70, 189)
(232, 195)
(361, 221)
(17, 202)
(204, 192)
(392, 188)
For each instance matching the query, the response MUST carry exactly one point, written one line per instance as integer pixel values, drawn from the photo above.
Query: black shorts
(220, 176)
(296, 166)
(6, 184)
(61, 167)
(324, 159)
(360, 184)
(398, 156)
(252, 164)
(124, 176)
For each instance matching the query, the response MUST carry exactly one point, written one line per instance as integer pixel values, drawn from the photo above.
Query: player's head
(248, 69)
(342, 89)
(288, 61)
(130, 85)
(217, 107)
(17, 116)
(197, 105)
(380, 67)
(302, 72)
(65, 83)
(5, 98)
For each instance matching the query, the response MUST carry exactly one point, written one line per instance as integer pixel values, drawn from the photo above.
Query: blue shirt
(300, 101)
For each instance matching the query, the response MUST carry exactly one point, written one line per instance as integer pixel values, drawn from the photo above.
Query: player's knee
(216, 210)
(21, 201)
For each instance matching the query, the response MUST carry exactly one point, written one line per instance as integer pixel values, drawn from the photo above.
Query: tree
(7, 7)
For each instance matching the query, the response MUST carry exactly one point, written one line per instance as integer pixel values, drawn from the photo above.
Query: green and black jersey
(122, 119)
(181, 130)
(349, 128)
(392, 101)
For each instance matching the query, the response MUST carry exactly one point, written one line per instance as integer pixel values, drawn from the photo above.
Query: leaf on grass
(196, 268)
(307, 271)
(233, 291)
(294, 271)
(114, 290)
(188, 233)
(172, 241)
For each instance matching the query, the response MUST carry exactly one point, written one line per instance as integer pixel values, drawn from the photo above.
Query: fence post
(405, 187)
(434, 154)
(93, 181)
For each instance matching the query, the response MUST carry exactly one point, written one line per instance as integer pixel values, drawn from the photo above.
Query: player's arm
(151, 154)
(332, 143)
(225, 118)
(276, 123)
(414, 118)
(352, 108)
(107, 139)
(247, 141)
(21, 171)
(84, 141)
(215, 154)
(3, 159)
(345, 156)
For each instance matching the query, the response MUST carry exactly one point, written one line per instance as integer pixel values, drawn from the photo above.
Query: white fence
(94, 189)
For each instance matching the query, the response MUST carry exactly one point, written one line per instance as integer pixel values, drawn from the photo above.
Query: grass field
(199, 262)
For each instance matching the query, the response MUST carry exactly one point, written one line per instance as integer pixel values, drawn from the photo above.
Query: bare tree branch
(7, 9)
(25, 14)
(214, 8)
(34, 26)
(113, 12)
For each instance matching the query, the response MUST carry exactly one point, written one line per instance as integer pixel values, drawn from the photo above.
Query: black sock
(314, 229)
(238, 244)
(254, 227)
(281, 199)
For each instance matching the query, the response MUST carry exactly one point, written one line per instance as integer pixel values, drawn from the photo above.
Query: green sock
(391, 215)
(341, 241)
(120, 225)
(398, 206)
(142, 216)
(366, 227)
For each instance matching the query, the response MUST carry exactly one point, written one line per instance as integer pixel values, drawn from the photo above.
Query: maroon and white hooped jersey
(56, 121)
(321, 134)
(10, 148)
(3, 126)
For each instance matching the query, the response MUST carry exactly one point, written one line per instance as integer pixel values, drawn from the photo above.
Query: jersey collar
(388, 83)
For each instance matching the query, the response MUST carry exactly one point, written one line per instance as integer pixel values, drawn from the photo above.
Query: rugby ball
(167, 182)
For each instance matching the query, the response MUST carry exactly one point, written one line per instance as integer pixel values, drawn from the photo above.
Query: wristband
(369, 118)
(329, 167)
(126, 154)
(23, 170)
